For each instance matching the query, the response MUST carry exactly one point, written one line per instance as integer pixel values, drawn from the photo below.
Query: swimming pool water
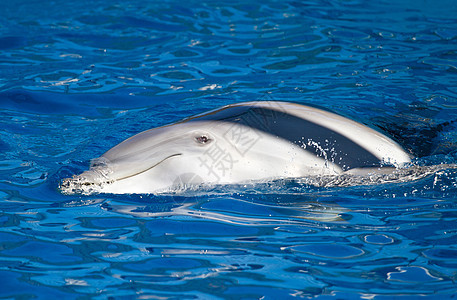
(78, 77)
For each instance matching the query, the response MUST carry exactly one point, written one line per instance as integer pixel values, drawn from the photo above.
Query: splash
(93, 181)
(380, 176)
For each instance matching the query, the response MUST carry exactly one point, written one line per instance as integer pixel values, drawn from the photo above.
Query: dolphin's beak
(103, 172)
(85, 183)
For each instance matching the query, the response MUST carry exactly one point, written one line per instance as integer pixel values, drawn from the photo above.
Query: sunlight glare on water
(78, 77)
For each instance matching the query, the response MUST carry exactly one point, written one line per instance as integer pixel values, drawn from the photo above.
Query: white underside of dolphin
(239, 143)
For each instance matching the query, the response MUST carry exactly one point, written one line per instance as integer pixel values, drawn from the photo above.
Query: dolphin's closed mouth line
(145, 170)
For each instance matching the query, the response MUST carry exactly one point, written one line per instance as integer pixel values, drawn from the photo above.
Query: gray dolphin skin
(239, 143)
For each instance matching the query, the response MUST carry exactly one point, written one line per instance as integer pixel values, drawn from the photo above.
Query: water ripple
(75, 80)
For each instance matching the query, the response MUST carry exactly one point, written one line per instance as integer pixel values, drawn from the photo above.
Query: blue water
(78, 77)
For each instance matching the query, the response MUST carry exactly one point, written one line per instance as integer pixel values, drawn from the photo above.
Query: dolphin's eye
(203, 139)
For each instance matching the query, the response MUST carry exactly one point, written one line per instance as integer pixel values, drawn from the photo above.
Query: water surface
(78, 77)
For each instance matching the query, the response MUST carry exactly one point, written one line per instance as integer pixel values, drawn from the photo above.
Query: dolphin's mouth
(149, 168)
(101, 174)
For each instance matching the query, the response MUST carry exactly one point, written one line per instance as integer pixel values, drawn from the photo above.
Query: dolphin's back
(340, 140)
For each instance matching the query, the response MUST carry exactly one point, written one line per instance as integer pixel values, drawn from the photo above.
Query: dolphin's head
(151, 161)
(172, 157)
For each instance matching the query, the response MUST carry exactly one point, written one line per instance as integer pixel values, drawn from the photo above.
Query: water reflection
(74, 85)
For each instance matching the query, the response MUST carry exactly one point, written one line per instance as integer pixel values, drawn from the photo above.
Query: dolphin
(239, 143)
